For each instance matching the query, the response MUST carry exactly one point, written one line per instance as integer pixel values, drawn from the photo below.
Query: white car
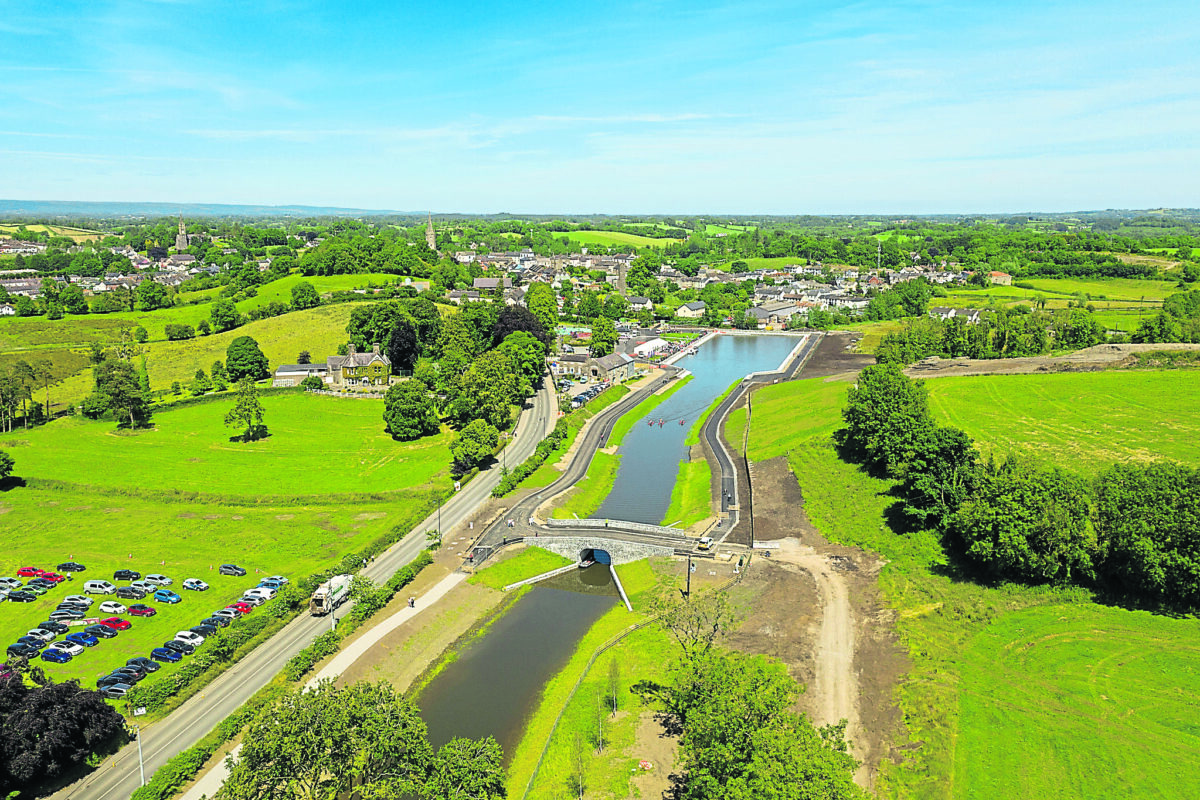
(255, 600)
(191, 637)
(227, 613)
(158, 580)
(68, 647)
(195, 584)
(11, 583)
(277, 579)
(41, 633)
(145, 586)
(112, 607)
(81, 599)
(265, 592)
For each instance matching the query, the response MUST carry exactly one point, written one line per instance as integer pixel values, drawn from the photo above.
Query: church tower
(181, 238)
(430, 236)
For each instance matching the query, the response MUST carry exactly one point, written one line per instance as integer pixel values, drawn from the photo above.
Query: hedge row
(526, 468)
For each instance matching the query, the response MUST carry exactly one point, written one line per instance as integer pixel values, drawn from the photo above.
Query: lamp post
(141, 764)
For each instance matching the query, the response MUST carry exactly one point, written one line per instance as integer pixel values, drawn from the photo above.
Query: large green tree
(121, 390)
(604, 337)
(224, 316)
(486, 390)
(409, 412)
(887, 415)
(466, 769)
(247, 412)
(244, 359)
(403, 345)
(304, 295)
(6, 465)
(474, 445)
(542, 303)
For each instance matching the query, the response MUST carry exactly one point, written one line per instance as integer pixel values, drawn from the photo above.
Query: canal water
(650, 454)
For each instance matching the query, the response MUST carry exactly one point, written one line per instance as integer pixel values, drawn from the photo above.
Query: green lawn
(1080, 421)
(529, 563)
(319, 446)
(691, 498)
(607, 238)
(1012, 691)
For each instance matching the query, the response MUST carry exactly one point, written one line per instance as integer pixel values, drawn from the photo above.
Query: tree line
(1132, 532)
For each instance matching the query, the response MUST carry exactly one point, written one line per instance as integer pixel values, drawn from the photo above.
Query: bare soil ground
(835, 357)
(817, 609)
(1099, 357)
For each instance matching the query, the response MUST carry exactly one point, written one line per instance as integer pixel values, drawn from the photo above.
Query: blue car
(57, 656)
(163, 654)
(167, 596)
(270, 584)
(85, 639)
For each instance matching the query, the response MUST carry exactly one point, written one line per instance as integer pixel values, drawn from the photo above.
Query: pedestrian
(412, 602)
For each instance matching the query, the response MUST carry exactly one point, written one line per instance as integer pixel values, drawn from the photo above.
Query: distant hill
(113, 210)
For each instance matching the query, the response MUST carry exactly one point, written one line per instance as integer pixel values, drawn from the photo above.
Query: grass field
(1124, 289)
(78, 234)
(318, 446)
(586, 496)
(608, 238)
(1080, 421)
(529, 563)
(1013, 691)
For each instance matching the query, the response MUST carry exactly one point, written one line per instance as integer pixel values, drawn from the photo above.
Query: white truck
(329, 595)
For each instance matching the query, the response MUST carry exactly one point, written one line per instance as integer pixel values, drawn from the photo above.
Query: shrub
(177, 333)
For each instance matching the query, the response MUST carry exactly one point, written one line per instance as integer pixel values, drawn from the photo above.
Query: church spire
(430, 236)
(181, 239)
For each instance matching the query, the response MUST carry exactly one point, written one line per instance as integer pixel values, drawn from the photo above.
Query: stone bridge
(622, 552)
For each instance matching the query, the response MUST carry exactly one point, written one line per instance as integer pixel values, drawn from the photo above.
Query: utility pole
(141, 764)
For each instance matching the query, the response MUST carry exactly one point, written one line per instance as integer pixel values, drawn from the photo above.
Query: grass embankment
(181, 500)
(1081, 421)
(1014, 691)
(529, 563)
(547, 473)
(588, 495)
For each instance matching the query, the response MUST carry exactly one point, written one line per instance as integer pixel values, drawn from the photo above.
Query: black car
(42, 582)
(67, 605)
(131, 675)
(204, 630)
(34, 642)
(216, 622)
(231, 569)
(147, 664)
(179, 647)
(21, 650)
(54, 626)
(21, 597)
(67, 613)
(70, 566)
(127, 575)
(130, 592)
(101, 631)
(111, 680)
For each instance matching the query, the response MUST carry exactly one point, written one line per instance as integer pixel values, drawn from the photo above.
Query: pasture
(77, 234)
(1129, 290)
(610, 238)
(1012, 691)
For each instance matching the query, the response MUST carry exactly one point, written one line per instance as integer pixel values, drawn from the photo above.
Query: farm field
(608, 238)
(1013, 691)
(318, 446)
(1122, 289)
(1080, 421)
(78, 234)
(710, 229)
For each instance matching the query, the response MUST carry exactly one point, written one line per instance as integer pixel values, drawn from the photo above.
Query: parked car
(142, 610)
(704, 543)
(63, 614)
(241, 606)
(71, 566)
(130, 593)
(10, 583)
(101, 631)
(265, 592)
(116, 691)
(21, 650)
(43, 634)
(70, 647)
(148, 664)
(195, 585)
(183, 648)
(225, 569)
(128, 675)
(216, 622)
(191, 637)
(22, 597)
(252, 600)
(81, 599)
(56, 656)
(28, 572)
(165, 655)
(167, 596)
(52, 577)
(126, 575)
(158, 580)
(83, 638)
(277, 579)
(204, 629)
(111, 680)
(54, 625)
(227, 613)
(269, 584)
(71, 607)
(98, 587)
(36, 588)
(32, 641)
(112, 607)
(145, 586)
(116, 623)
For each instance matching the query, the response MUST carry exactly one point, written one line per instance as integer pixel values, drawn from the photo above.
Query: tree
(474, 445)
(203, 327)
(224, 316)
(409, 412)
(118, 382)
(464, 769)
(6, 465)
(513, 319)
(304, 295)
(247, 412)
(542, 303)
(140, 334)
(940, 476)
(73, 301)
(486, 390)
(244, 359)
(403, 346)
(888, 414)
(200, 384)
(176, 332)
(589, 305)
(615, 306)
(312, 382)
(304, 358)
(152, 295)
(604, 337)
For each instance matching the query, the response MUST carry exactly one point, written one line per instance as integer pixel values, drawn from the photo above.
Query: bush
(312, 382)
(177, 333)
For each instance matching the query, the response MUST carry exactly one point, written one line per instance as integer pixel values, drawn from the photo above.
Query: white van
(99, 587)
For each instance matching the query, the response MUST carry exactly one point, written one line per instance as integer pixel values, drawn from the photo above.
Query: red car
(53, 577)
(29, 572)
(245, 608)
(116, 623)
(142, 610)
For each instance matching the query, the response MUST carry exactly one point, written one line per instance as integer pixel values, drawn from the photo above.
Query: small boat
(586, 563)
(683, 422)
(660, 422)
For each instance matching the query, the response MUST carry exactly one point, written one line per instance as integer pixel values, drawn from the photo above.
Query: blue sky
(634, 107)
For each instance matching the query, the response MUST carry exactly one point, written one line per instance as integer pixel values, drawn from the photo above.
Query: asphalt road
(119, 776)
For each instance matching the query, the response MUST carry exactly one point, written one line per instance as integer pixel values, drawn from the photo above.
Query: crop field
(1080, 421)
(78, 234)
(608, 238)
(1013, 691)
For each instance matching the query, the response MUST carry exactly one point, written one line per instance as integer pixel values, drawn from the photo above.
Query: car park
(142, 610)
(101, 631)
(22, 597)
(216, 622)
(183, 648)
(228, 613)
(43, 634)
(226, 569)
(126, 575)
(28, 572)
(167, 596)
(191, 637)
(204, 630)
(112, 607)
(165, 655)
(71, 566)
(85, 639)
(32, 641)
(130, 593)
(98, 587)
(145, 586)
(64, 614)
(81, 599)
(147, 664)
(195, 585)
(22, 650)
(56, 656)
(116, 623)
(158, 580)
(10, 583)
(54, 625)
(69, 647)
(252, 600)
(116, 691)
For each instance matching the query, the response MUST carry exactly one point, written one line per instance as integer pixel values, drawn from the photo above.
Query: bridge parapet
(616, 524)
(622, 552)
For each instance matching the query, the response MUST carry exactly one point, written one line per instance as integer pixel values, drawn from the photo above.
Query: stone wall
(621, 552)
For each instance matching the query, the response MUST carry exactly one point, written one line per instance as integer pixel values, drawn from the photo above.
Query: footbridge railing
(617, 524)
